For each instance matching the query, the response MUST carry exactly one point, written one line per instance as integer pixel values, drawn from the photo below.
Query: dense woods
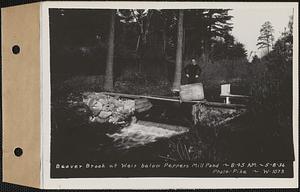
(141, 43)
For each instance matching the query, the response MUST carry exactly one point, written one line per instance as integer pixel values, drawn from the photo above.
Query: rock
(105, 114)
(97, 119)
(96, 108)
(142, 105)
(129, 105)
(108, 108)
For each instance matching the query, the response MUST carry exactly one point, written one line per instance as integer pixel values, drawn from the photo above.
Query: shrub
(270, 112)
(133, 82)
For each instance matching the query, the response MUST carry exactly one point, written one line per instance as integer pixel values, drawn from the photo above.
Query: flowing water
(136, 135)
(76, 138)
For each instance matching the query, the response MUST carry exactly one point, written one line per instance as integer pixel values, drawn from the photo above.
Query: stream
(136, 135)
(76, 138)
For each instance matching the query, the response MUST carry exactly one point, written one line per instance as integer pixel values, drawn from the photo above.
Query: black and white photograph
(198, 92)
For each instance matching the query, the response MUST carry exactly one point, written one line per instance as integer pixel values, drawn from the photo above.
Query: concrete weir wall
(213, 116)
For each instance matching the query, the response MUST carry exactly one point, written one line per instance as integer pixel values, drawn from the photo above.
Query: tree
(141, 18)
(266, 38)
(238, 51)
(202, 27)
(272, 90)
(284, 45)
(109, 81)
(178, 66)
(228, 49)
(255, 59)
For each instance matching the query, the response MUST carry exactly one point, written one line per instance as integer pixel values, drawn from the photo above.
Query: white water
(137, 135)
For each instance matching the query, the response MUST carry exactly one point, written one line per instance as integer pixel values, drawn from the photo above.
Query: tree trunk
(164, 37)
(268, 45)
(183, 43)
(137, 54)
(178, 66)
(109, 80)
(164, 50)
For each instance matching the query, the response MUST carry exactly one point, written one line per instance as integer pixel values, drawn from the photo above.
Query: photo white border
(155, 182)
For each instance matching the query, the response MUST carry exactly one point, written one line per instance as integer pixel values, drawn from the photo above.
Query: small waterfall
(140, 134)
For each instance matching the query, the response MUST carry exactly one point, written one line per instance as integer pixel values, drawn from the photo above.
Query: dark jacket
(192, 71)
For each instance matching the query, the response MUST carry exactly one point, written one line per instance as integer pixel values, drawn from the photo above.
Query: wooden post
(227, 100)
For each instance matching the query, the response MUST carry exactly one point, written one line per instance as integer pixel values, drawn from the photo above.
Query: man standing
(192, 72)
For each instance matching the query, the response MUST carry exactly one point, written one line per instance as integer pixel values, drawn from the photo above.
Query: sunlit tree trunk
(109, 80)
(178, 67)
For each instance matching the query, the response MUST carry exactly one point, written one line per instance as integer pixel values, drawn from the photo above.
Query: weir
(159, 117)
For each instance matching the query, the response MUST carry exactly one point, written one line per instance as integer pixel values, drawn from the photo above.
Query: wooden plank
(235, 96)
(170, 99)
(161, 98)
(122, 95)
(214, 104)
